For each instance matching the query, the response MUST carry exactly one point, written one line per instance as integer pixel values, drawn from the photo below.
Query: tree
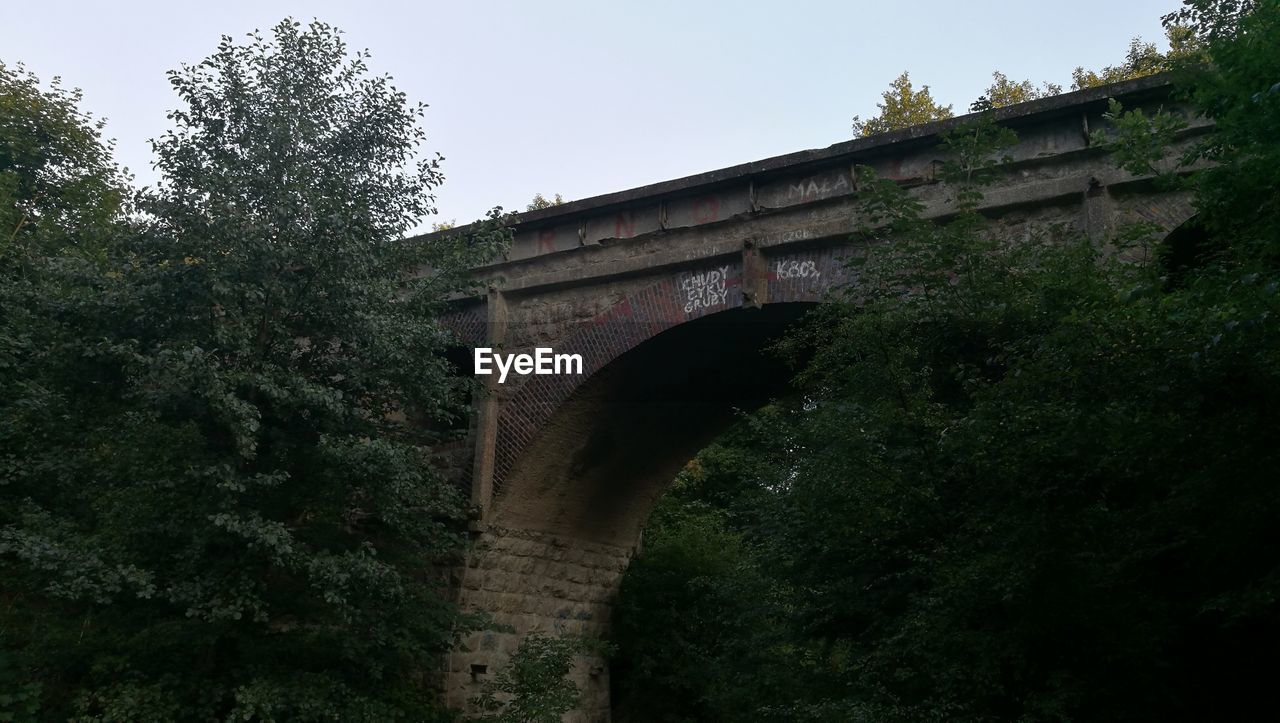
(1003, 92)
(540, 202)
(219, 499)
(698, 617)
(533, 686)
(1239, 87)
(1143, 59)
(903, 107)
(58, 186)
(59, 195)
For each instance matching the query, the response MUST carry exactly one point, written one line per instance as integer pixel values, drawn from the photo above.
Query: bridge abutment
(537, 582)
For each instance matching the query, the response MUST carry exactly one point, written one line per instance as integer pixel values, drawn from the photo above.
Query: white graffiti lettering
(705, 289)
(796, 270)
(812, 188)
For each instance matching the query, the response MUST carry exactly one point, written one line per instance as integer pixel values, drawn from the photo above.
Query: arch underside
(602, 460)
(564, 527)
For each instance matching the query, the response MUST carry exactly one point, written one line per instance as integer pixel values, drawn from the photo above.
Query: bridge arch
(648, 311)
(568, 514)
(666, 292)
(608, 451)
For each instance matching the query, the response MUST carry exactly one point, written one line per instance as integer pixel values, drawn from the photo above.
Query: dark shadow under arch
(595, 469)
(1184, 249)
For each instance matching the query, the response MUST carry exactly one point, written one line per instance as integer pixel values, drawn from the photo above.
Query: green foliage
(1023, 478)
(19, 701)
(58, 185)
(218, 494)
(1236, 174)
(1047, 473)
(1141, 59)
(1144, 59)
(696, 581)
(903, 107)
(540, 202)
(533, 687)
(1003, 91)
(1239, 89)
(1140, 143)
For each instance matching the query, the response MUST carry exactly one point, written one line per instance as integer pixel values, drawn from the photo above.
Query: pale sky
(586, 98)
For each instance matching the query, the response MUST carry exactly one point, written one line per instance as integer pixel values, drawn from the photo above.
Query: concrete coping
(1019, 114)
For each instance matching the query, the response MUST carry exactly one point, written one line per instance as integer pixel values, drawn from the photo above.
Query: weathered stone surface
(538, 582)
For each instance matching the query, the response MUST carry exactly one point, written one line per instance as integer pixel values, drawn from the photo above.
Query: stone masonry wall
(537, 582)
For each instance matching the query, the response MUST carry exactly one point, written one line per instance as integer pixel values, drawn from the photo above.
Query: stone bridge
(668, 292)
